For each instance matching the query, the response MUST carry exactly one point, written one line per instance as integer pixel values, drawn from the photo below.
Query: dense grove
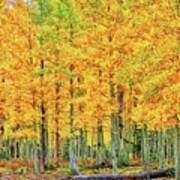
(90, 80)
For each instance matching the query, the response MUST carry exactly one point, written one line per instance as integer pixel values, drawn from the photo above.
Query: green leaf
(155, 90)
(130, 83)
(81, 26)
(66, 2)
(66, 27)
(49, 7)
(74, 30)
(91, 26)
(45, 8)
(56, 51)
(50, 21)
(72, 16)
(38, 125)
(178, 116)
(41, 38)
(61, 11)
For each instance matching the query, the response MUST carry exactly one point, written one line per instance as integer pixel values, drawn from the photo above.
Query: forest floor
(22, 170)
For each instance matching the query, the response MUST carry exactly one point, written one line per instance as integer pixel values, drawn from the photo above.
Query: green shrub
(50, 166)
(4, 154)
(154, 156)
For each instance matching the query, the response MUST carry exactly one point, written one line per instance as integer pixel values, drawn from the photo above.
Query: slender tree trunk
(100, 143)
(21, 147)
(71, 152)
(78, 146)
(168, 145)
(57, 146)
(113, 144)
(71, 147)
(47, 146)
(82, 147)
(118, 143)
(85, 143)
(35, 156)
(43, 139)
(135, 141)
(35, 147)
(43, 130)
(177, 152)
(142, 146)
(129, 146)
(92, 144)
(145, 148)
(7, 155)
(148, 164)
(100, 138)
(112, 96)
(150, 144)
(57, 122)
(34, 142)
(9, 148)
(62, 148)
(15, 148)
(25, 148)
(161, 150)
(155, 146)
(30, 150)
(114, 159)
(53, 148)
(120, 95)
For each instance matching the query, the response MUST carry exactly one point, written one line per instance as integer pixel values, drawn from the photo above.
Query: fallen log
(154, 174)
